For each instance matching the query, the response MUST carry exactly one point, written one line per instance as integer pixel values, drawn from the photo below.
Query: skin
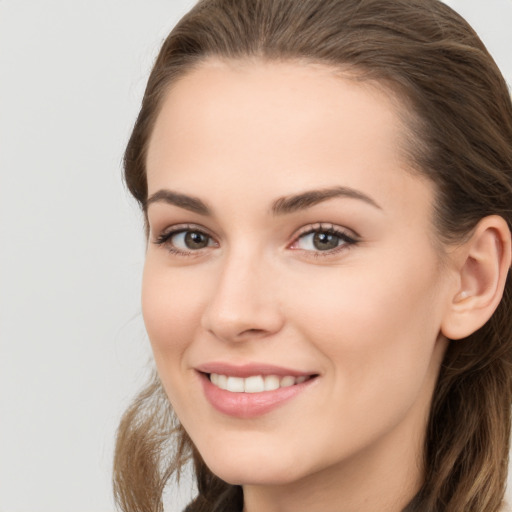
(366, 317)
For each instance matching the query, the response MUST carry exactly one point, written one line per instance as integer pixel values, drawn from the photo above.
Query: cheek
(378, 339)
(171, 306)
(375, 324)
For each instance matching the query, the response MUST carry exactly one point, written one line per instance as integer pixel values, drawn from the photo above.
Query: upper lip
(248, 370)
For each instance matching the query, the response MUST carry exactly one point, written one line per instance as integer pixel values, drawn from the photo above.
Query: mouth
(255, 383)
(252, 391)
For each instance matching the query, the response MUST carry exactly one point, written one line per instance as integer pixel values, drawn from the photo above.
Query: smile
(252, 391)
(255, 383)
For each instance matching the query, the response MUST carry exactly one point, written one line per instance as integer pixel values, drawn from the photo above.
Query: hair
(460, 124)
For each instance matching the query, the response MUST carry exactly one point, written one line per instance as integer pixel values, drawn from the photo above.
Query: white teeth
(235, 384)
(222, 381)
(287, 381)
(271, 382)
(255, 383)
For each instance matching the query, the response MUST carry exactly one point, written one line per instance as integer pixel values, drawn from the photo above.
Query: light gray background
(72, 344)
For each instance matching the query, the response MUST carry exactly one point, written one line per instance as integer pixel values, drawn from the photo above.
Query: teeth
(271, 382)
(235, 384)
(222, 382)
(255, 383)
(286, 382)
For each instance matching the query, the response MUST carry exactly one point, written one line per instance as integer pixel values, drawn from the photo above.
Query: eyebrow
(282, 206)
(184, 201)
(290, 204)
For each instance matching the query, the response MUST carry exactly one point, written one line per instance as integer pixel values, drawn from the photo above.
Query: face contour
(289, 246)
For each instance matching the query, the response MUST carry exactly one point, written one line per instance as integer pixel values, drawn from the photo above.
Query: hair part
(459, 120)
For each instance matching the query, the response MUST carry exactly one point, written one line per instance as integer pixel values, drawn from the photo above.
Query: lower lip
(250, 405)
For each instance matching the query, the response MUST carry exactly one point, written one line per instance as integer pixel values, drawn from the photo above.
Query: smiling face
(289, 243)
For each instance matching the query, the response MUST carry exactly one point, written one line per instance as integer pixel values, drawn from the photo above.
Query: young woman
(327, 187)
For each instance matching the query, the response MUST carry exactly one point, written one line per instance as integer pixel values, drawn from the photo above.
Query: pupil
(194, 240)
(325, 241)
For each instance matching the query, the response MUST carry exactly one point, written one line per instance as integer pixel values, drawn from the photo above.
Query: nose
(244, 303)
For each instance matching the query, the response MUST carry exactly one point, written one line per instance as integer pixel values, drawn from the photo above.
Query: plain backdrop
(72, 345)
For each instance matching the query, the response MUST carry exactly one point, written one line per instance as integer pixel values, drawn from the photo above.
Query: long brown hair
(460, 123)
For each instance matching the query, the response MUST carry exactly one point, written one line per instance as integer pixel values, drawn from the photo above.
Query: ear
(482, 265)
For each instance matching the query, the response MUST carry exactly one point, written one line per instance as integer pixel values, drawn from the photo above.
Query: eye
(185, 240)
(323, 239)
(191, 240)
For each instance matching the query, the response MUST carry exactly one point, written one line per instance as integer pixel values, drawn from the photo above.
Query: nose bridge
(243, 304)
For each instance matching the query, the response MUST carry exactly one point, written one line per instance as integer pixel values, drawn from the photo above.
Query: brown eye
(321, 240)
(325, 241)
(183, 241)
(195, 240)
(191, 240)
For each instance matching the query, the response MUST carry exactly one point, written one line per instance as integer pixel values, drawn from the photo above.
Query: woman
(327, 187)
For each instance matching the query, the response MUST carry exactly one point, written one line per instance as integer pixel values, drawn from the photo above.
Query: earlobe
(483, 264)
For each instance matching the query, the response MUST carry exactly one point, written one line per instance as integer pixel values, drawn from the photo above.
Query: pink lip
(249, 405)
(247, 370)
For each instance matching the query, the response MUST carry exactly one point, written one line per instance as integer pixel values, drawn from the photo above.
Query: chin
(237, 469)
(253, 475)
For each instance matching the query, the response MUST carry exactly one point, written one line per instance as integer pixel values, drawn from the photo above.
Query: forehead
(277, 126)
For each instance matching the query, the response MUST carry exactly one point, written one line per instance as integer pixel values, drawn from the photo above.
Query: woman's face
(291, 253)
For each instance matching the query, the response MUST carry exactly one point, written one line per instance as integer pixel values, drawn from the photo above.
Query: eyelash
(164, 239)
(346, 240)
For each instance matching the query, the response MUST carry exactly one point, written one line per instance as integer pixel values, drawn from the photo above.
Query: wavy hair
(460, 137)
